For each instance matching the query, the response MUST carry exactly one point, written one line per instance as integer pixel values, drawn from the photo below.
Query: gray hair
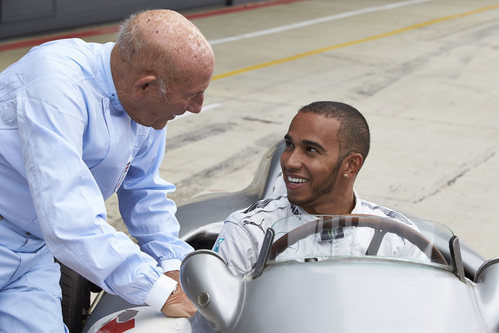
(130, 41)
(161, 87)
(132, 45)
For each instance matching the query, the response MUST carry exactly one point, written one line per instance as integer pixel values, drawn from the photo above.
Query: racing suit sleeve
(70, 208)
(236, 247)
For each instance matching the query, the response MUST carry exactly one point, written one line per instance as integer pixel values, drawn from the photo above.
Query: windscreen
(309, 238)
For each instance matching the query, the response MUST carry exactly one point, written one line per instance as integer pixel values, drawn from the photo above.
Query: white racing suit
(242, 235)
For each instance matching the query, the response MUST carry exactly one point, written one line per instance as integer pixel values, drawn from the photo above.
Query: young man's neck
(341, 206)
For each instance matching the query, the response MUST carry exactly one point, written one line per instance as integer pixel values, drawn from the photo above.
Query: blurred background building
(21, 17)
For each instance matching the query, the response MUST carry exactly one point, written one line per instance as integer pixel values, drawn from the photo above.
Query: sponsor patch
(328, 234)
(217, 244)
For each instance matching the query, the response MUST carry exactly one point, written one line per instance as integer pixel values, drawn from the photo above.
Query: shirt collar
(107, 83)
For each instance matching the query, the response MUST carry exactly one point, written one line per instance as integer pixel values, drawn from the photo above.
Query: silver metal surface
(214, 291)
(369, 295)
(488, 294)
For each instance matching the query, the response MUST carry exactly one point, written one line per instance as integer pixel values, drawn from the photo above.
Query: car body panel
(359, 296)
(139, 319)
(335, 295)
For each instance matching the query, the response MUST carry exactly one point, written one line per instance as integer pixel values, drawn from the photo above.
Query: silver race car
(447, 288)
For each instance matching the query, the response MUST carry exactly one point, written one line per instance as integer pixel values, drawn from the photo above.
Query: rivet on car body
(203, 299)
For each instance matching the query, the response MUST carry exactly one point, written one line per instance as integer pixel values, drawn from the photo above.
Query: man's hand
(177, 305)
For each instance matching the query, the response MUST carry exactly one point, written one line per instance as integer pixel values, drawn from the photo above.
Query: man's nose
(196, 105)
(292, 160)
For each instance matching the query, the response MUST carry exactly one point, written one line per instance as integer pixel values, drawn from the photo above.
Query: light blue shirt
(67, 144)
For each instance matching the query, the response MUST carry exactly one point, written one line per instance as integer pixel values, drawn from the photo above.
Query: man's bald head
(165, 39)
(161, 66)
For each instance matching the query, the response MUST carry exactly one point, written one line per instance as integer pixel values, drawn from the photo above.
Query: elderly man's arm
(68, 202)
(146, 210)
(150, 218)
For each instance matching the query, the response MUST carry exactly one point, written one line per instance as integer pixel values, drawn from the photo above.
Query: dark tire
(75, 299)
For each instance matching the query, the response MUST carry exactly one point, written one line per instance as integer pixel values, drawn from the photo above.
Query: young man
(78, 122)
(326, 146)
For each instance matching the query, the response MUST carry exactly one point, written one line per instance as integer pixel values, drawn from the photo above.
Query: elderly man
(326, 145)
(78, 122)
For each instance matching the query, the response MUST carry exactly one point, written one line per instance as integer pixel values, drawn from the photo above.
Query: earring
(345, 175)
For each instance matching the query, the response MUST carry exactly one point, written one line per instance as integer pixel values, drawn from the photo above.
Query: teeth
(297, 180)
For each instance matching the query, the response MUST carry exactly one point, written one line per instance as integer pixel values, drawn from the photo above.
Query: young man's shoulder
(366, 207)
(263, 213)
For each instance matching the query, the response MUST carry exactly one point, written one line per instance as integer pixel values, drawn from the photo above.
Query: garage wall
(22, 17)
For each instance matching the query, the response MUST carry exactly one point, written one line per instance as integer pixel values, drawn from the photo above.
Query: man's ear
(352, 164)
(143, 84)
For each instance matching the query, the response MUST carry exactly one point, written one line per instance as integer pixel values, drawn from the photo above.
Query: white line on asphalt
(315, 21)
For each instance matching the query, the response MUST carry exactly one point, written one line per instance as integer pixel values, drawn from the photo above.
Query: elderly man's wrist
(160, 291)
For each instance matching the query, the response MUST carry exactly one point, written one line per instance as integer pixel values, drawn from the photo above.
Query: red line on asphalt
(115, 28)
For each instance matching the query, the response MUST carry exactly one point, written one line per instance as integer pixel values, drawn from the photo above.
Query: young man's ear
(352, 164)
(143, 84)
